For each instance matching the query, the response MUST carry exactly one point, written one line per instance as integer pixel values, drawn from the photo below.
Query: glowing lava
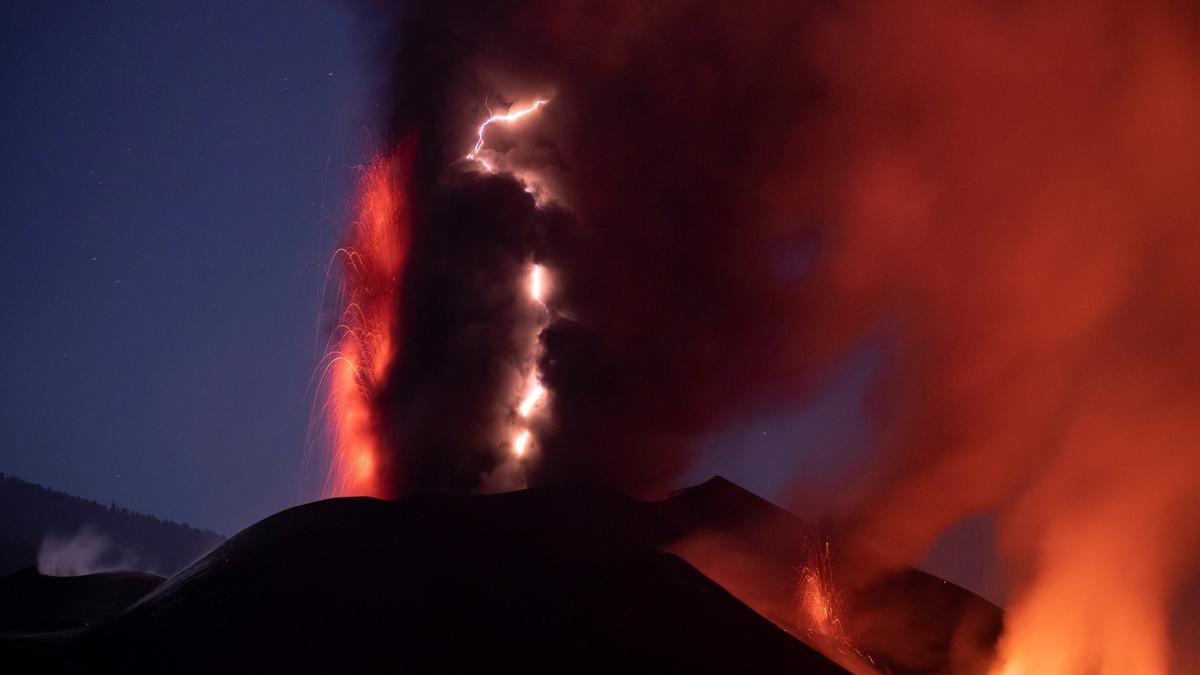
(817, 601)
(820, 609)
(362, 345)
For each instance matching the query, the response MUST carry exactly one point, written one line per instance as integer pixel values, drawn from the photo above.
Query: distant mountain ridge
(114, 536)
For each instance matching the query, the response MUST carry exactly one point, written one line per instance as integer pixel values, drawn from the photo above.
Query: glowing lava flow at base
(818, 604)
(362, 345)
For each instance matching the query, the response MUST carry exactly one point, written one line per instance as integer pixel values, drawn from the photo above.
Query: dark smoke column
(731, 196)
(671, 307)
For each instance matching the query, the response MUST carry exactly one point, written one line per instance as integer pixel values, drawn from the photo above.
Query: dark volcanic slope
(565, 579)
(910, 622)
(31, 602)
(556, 580)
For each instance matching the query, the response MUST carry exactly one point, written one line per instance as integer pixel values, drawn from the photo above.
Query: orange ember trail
(817, 600)
(816, 610)
(820, 609)
(362, 345)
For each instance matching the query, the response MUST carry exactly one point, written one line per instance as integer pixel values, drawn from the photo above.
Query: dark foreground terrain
(555, 580)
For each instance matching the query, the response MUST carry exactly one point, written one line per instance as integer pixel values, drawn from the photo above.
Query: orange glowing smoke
(362, 345)
(1034, 227)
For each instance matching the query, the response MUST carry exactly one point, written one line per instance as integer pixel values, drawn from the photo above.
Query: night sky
(174, 178)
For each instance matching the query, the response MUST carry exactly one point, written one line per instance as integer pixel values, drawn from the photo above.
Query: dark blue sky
(173, 177)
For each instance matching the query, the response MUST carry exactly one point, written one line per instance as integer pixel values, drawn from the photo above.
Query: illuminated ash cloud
(674, 296)
(467, 355)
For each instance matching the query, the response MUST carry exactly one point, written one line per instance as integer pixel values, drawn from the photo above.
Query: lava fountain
(818, 602)
(362, 345)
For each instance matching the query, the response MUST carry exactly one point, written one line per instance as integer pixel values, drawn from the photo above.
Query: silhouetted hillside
(558, 580)
(110, 536)
(568, 578)
(35, 603)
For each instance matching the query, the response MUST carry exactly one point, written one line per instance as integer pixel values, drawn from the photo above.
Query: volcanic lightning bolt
(533, 394)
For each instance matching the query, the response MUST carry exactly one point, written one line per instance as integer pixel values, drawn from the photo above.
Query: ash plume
(466, 321)
(738, 195)
(665, 260)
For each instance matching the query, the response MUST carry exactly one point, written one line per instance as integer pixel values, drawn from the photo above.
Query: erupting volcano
(924, 275)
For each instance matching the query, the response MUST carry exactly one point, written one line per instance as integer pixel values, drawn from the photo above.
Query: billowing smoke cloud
(676, 283)
(467, 321)
(1005, 192)
(1019, 201)
(87, 551)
